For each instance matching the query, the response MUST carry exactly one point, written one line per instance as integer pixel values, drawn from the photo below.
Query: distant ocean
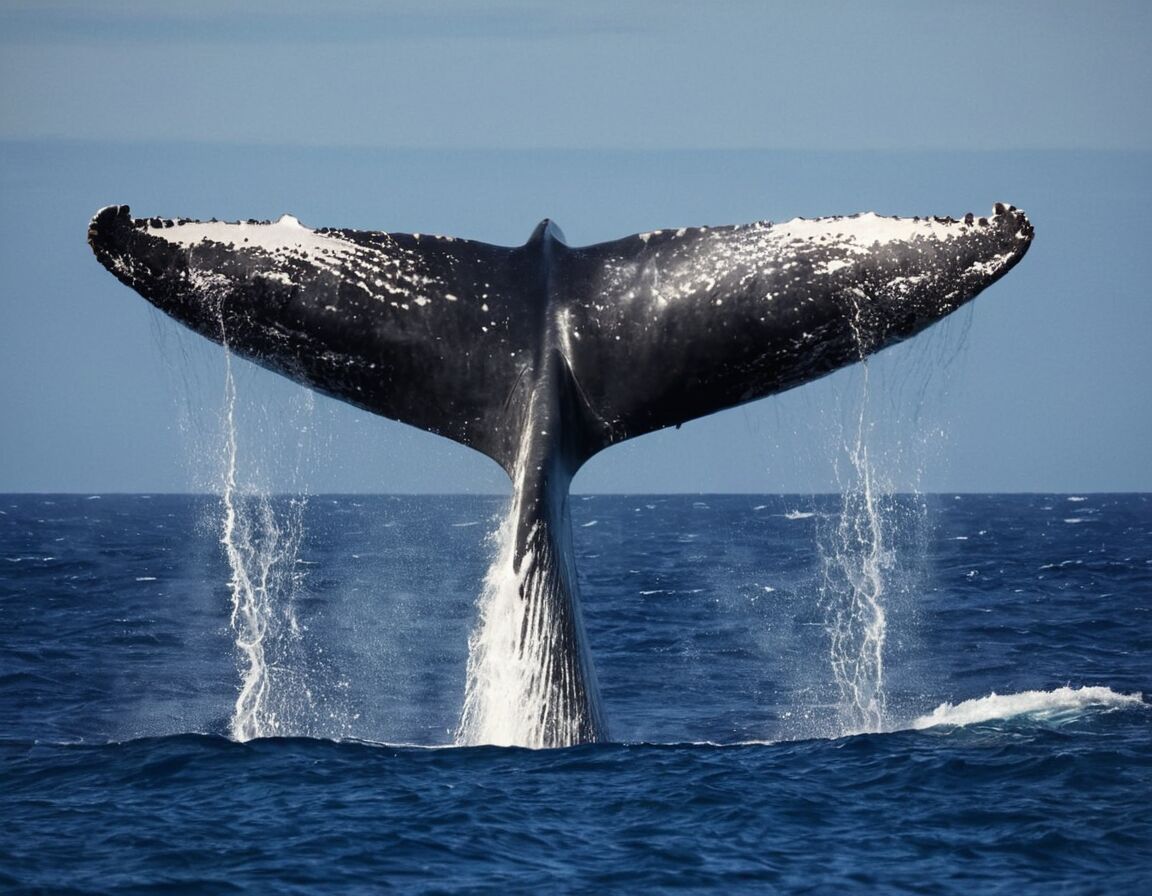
(936, 694)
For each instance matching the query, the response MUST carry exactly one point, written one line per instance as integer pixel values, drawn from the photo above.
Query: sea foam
(1033, 703)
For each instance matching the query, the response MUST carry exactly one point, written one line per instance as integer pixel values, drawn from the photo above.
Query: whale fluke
(542, 355)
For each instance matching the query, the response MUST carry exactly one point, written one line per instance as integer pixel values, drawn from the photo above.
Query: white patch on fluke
(286, 233)
(699, 261)
(992, 265)
(382, 262)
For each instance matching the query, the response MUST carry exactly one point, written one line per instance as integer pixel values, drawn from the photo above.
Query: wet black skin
(542, 355)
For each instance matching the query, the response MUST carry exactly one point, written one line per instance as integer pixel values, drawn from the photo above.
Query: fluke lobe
(541, 355)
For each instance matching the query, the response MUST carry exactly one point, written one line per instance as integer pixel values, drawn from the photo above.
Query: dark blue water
(735, 763)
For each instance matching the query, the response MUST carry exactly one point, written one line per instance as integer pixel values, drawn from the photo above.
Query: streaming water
(529, 680)
(856, 562)
(872, 551)
(285, 686)
(262, 547)
(501, 680)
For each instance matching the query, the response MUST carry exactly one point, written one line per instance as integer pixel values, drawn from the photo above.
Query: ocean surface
(936, 694)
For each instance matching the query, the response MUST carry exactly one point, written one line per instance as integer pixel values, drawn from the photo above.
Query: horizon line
(119, 141)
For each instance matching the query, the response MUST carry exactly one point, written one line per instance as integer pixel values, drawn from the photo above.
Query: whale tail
(541, 355)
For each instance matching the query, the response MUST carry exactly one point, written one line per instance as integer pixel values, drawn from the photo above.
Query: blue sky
(480, 119)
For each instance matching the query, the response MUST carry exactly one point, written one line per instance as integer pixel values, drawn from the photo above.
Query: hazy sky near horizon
(481, 118)
(650, 75)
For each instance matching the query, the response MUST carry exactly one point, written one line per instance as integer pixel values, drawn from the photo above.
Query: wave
(1035, 705)
(1041, 704)
(1038, 706)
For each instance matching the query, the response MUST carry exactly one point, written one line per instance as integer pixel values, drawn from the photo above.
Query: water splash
(500, 682)
(1049, 708)
(287, 687)
(1042, 705)
(871, 554)
(262, 546)
(856, 561)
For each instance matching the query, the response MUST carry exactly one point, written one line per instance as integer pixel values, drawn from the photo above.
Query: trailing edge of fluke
(543, 354)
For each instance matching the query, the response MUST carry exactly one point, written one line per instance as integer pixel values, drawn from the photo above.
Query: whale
(541, 355)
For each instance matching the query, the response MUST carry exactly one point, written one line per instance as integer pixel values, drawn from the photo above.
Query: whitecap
(1062, 564)
(1007, 706)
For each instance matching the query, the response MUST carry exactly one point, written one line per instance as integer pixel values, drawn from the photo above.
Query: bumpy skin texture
(541, 355)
